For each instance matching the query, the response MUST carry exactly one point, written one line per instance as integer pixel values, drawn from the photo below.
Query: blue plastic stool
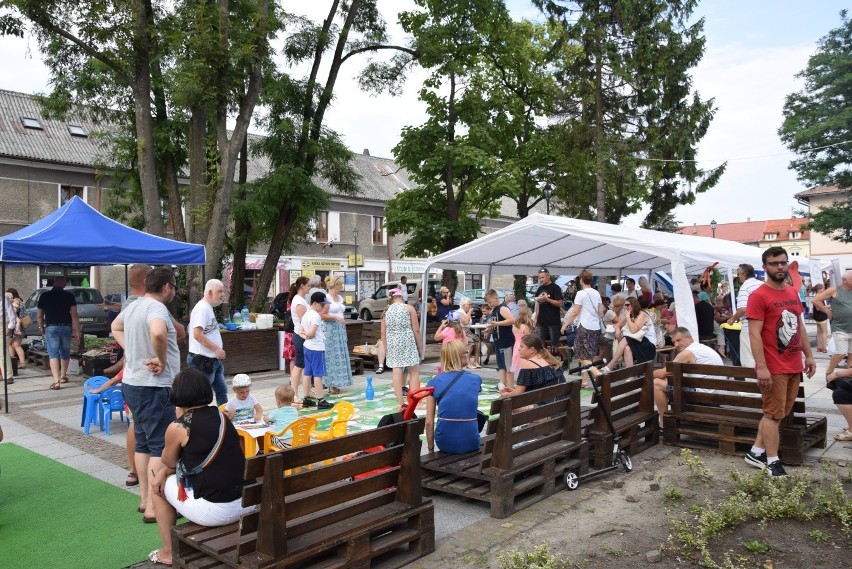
(91, 402)
(112, 400)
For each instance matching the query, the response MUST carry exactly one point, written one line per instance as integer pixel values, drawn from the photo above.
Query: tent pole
(424, 301)
(490, 270)
(126, 282)
(731, 291)
(5, 342)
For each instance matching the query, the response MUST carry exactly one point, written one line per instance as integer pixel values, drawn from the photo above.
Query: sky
(754, 50)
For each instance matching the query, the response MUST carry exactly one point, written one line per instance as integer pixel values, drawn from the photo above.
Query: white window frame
(59, 194)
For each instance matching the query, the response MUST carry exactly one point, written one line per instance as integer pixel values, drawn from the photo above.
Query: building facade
(816, 199)
(44, 162)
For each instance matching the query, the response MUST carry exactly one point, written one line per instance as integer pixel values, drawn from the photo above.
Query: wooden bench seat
(365, 510)
(628, 394)
(524, 456)
(727, 419)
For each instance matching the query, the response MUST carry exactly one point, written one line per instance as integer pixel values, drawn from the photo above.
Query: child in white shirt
(312, 332)
(243, 407)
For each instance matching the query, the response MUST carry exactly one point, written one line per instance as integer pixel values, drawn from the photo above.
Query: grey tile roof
(53, 144)
(381, 178)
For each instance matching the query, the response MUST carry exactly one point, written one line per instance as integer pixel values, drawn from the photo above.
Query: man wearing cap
(312, 331)
(548, 298)
(205, 341)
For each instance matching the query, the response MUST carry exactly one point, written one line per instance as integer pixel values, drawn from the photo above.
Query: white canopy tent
(566, 245)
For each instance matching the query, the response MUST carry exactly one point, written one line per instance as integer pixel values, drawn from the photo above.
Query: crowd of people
(186, 454)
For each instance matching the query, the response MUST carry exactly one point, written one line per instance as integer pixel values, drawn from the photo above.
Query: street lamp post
(355, 236)
(713, 226)
(548, 193)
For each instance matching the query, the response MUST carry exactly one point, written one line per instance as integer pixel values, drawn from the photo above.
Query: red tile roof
(750, 231)
(743, 232)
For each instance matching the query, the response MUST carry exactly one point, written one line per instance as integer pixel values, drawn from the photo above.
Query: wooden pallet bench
(366, 333)
(38, 358)
(364, 512)
(727, 418)
(628, 394)
(523, 458)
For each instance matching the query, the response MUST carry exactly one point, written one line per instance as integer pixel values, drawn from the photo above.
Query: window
(249, 279)
(795, 235)
(68, 192)
(78, 131)
(770, 236)
(31, 123)
(472, 280)
(321, 233)
(378, 230)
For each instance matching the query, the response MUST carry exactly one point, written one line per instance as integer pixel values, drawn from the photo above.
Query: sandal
(63, 379)
(55, 386)
(844, 436)
(380, 369)
(154, 557)
(132, 479)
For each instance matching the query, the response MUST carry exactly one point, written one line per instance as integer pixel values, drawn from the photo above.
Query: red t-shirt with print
(780, 311)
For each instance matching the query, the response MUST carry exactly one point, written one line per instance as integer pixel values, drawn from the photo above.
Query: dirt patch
(625, 520)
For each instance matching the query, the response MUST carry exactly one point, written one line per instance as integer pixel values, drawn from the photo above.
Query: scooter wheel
(572, 480)
(625, 461)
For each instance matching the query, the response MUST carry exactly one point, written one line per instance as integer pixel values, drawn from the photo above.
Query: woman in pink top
(450, 330)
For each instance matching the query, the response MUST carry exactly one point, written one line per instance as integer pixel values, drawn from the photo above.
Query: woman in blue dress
(454, 406)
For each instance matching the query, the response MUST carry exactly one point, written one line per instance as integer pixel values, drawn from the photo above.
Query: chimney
(748, 220)
(366, 152)
(694, 228)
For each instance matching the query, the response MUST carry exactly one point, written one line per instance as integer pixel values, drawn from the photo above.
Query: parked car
(374, 306)
(93, 318)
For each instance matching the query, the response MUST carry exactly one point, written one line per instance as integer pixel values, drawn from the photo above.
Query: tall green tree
(630, 121)
(818, 119)
(186, 63)
(303, 147)
(451, 156)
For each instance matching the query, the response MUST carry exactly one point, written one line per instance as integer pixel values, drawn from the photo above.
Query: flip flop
(132, 479)
(141, 509)
(63, 379)
(55, 386)
(154, 557)
(148, 520)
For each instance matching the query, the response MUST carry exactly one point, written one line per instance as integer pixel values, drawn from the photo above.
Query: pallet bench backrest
(311, 499)
(624, 392)
(741, 394)
(552, 414)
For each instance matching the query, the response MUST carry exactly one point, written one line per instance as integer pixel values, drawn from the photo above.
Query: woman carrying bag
(451, 411)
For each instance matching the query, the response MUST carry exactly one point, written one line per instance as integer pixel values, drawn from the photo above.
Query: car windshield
(87, 296)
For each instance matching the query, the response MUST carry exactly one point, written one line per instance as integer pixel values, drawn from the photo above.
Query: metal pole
(357, 290)
(6, 374)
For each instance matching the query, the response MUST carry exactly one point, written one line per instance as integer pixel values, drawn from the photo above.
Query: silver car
(93, 318)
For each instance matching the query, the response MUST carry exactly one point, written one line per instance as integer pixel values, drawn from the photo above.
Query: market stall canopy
(569, 245)
(77, 234)
(566, 246)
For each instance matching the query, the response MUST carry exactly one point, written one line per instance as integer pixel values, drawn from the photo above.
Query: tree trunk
(141, 89)
(229, 149)
(242, 227)
(600, 184)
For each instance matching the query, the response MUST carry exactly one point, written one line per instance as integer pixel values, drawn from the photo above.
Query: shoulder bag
(481, 418)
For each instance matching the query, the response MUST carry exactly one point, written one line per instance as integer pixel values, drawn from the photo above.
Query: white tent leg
(684, 306)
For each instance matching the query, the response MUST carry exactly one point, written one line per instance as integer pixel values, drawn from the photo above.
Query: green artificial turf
(54, 516)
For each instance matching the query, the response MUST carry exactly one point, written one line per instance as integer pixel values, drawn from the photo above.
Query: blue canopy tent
(78, 234)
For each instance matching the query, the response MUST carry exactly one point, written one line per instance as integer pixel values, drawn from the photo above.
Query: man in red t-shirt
(778, 339)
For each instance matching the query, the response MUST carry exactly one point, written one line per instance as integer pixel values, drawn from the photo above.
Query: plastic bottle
(245, 315)
(238, 318)
(369, 392)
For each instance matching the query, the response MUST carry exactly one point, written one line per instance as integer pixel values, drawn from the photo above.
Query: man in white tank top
(688, 352)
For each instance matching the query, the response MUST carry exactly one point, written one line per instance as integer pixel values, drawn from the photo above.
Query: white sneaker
(605, 370)
(500, 387)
